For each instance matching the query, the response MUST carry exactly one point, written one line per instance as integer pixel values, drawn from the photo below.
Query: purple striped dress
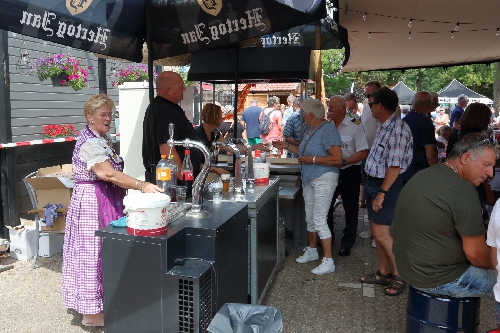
(94, 204)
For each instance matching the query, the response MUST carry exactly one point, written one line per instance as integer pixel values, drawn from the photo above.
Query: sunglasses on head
(479, 143)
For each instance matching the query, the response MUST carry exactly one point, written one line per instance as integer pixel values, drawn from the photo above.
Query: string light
(409, 35)
(457, 27)
(453, 34)
(369, 35)
(364, 16)
(410, 24)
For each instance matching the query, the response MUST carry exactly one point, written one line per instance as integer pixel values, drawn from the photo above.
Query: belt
(374, 178)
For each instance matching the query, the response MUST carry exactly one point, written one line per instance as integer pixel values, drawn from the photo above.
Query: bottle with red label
(187, 173)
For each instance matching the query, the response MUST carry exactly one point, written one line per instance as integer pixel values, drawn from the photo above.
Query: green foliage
(478, 77)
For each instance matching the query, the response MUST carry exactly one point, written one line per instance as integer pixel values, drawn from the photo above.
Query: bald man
(422, 130)
(170, 91)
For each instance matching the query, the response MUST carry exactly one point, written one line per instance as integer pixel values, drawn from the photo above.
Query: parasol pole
(149, 39)
(235, 115)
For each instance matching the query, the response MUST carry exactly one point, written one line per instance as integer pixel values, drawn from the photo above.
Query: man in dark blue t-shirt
(458, 111)
(250, 120)
(422, 130)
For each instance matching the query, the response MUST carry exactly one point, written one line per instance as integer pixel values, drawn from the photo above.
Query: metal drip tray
(176, 210)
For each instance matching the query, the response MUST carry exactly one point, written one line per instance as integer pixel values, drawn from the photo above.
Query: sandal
(383, 279)
(397, 284)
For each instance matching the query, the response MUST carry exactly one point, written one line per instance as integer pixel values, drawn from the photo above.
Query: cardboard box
(22, 242)
(53, 185)
(50, 244)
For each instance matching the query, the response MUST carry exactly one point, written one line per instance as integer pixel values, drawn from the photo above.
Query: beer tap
(196, 210)
(238, 182)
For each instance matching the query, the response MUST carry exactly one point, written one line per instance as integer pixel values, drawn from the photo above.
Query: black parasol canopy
(118, 28)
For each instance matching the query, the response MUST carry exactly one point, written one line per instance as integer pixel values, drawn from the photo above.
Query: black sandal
(396, 284)
(383, 279)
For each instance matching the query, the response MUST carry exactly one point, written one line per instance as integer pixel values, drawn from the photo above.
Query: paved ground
(30, 300)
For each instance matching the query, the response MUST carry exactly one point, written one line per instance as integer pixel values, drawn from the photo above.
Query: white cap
(225, 176)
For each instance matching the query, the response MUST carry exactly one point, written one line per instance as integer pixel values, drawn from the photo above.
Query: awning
(379, 33)
(255, 65)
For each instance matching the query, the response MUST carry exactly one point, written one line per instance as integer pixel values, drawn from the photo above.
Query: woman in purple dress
(97, 200)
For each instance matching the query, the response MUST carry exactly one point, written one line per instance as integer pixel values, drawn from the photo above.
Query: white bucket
(146, 213)
(261, 173)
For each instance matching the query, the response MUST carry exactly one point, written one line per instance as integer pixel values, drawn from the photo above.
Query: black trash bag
(246, 318)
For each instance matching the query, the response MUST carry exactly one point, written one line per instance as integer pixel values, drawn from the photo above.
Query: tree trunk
(496, 87)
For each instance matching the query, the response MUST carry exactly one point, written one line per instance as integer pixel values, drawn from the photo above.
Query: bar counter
(177, 281)
(262, 235)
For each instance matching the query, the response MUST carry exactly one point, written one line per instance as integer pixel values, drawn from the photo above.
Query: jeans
(475, 282)
(318, 194)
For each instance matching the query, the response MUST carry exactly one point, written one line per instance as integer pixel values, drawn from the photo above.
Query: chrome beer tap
(238, 182)
(196, 210)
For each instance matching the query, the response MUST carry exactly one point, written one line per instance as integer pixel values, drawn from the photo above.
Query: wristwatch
(314, 159)
(344, 163)
(381, 190)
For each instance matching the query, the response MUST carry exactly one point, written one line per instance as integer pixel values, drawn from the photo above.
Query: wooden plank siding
(35, 103)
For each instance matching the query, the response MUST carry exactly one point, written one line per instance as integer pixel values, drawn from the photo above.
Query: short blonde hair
(210, 114)
(95, 102)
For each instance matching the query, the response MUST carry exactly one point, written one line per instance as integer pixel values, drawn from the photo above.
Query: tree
(478, 77)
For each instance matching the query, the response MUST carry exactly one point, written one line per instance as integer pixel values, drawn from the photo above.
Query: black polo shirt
(166, 112)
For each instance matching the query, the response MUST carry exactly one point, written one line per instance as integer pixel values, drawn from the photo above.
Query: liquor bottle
(163, 173)
(187, 173)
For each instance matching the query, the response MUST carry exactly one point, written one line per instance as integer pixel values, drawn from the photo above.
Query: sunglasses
(368, 95)
(372, 103)
(479, 143)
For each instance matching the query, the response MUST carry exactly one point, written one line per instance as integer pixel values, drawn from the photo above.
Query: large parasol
(118, 28)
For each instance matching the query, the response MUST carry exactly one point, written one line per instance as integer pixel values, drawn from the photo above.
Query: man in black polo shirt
(422, 131)
(170, 91)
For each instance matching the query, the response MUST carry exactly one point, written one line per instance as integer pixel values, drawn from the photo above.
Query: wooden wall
(35, 103)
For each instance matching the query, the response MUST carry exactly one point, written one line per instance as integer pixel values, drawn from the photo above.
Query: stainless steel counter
(262, 235)
(274, 168)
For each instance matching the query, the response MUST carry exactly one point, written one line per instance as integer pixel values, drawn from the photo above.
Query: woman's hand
(151, 188)
(279, 144)
(261, 147)
(306, 159)
(219, 171)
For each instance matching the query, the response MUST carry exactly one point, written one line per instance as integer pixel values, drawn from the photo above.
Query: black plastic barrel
(426, 313)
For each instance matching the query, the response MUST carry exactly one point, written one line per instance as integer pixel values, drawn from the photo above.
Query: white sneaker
(374, 245)
(327, 266)
(310, 254)
(366, 234)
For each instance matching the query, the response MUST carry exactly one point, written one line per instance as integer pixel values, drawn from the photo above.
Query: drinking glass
(180, 192)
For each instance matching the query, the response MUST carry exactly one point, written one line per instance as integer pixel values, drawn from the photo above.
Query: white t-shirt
(493, 239)
(370, 124)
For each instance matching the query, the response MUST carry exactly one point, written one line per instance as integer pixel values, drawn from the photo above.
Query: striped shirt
(392, 146)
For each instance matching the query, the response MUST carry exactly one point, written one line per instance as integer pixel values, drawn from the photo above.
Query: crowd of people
(426, 183)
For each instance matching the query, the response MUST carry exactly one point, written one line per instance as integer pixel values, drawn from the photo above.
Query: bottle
(256, 158)
(163, 173)
(173, 178)
(187, 173)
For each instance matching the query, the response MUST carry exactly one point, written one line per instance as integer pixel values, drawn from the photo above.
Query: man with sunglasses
(370, 125)
(390, 155)
(439, 236)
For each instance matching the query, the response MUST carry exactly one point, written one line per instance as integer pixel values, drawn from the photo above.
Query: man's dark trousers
(348, 188)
